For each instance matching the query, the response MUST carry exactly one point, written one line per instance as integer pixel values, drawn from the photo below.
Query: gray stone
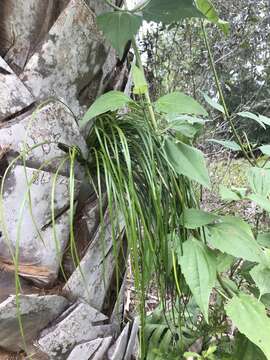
(94, 350)
(8, 286)
(82, 324)
(14, 96)
(132, 346)
(48, 125)
(118, 350)
(36, 313)
(93, 277)
(23, 26)
(70, 59)
(39, 255)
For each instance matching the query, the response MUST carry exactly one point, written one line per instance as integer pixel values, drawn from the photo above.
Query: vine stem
(221, 95)
(147, 96)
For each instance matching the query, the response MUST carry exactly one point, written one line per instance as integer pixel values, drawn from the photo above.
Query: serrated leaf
(140, 84)
(261, 275)
(232, 145)
(170, 11)
(179, 103)
(265, 149)
(194, 218)
(259, 181)
(198, 266)
(249, 115)
(214, 104)
(111, 101)
(118, 28)
(233, 236)
(249, 316)
(207, 8)
(188, 161)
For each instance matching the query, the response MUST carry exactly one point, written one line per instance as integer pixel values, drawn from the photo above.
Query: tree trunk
(53, 64)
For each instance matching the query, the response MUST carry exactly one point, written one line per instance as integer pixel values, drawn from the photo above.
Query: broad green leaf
(179, 103)
(265, 149)
(224, 261)
(232, 145)
(249, 316)
(184, 128)
(263, 239)
(111, 101)
(140, 84)
(228, 144)
(170, 11)
(259, 181)
(232, 194)
(188, 161)
(261, 275)
(214, 104)
(188, 118)
(194, 218)
(260, 201)
(233, 236)
(207, 8)
(198, 266)
(246, 350)
(249, 115)
(119, 27)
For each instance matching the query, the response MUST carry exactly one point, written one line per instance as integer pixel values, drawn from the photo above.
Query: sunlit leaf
(140, 84)
(110, 101)
(233, 236)
(207, 8)
(198, 265)
(179, 103)
(188, 161)
(249, 316)
(119, 27)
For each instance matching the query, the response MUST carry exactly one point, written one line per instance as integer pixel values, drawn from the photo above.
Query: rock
(93, 277)
(94, 350)
(8, 286)
(70, 59)
(132, 346)
(48, 125)
(81, 323)
(118, 315)
(14, 96)
(23, 26)
(36, 313)
(39, 254)
(118, 350)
